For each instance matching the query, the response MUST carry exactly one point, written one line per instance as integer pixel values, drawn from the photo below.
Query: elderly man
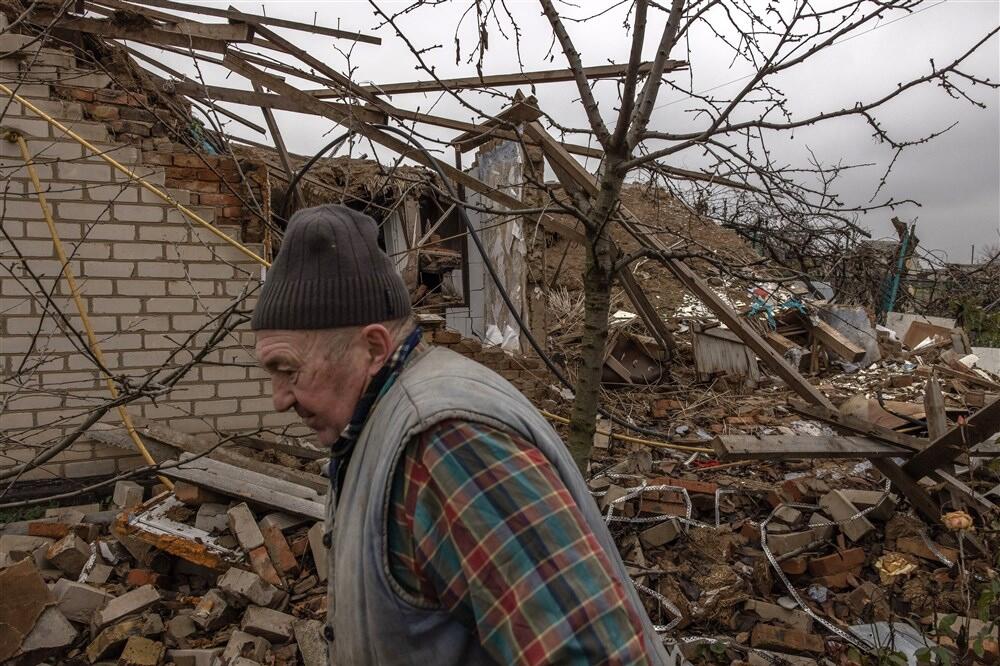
(461, 532)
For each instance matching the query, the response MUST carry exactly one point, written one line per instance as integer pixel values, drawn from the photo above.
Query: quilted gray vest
(374, 621)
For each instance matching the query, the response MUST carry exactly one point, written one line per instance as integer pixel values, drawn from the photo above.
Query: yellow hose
(67, 272)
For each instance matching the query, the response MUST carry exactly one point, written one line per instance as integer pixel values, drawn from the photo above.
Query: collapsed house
(788, 510)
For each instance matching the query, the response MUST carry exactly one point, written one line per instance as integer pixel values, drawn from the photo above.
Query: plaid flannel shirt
(481, 524)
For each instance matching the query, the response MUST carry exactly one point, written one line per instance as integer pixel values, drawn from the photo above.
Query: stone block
(113, 637)
(16, 547)
(312, 644)
(180, 627)
(130, 603)
(841, 508)
(243, 525)
(212, 611)
(273, 625)
(127, 494)
(660, 534)
(211, 517)
(69, 554)
(141, 651)
(781, 544)
(248, 646)
(51, 634)
(248, 587)
(79, 601)
(885, 503)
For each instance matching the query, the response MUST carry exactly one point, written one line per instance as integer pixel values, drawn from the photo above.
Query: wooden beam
(780, 447)
(647, 311)
(954, 443)
(279, 144)
(173, 23)
(201, 8)
(500, 80)
(835, 341)
(254, 488)
(157, 36)
(173, 72)
(269, 101)
(858, 426)
(326, 109)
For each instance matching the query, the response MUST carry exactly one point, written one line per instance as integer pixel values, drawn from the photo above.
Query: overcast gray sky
(956, 177)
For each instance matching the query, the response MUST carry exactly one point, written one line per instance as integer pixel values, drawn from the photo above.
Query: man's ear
(379, 346)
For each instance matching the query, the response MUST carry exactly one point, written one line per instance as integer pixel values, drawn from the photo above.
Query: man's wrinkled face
(321, 384)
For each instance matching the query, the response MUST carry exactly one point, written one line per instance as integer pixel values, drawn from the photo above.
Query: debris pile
(191, 577)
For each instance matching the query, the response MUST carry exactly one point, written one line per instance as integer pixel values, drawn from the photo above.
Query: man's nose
(283, 397)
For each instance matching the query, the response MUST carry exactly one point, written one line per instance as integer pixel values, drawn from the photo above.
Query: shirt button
(327, 539)
(328, 632)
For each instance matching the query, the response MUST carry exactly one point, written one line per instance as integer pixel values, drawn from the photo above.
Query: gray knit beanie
(330, 273)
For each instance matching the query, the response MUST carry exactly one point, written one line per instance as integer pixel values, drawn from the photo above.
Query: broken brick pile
(76, 588)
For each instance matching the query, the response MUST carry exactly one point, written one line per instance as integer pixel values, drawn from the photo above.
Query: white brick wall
(149, 280)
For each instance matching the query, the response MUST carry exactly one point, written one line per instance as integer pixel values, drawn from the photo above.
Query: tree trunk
(597, 301)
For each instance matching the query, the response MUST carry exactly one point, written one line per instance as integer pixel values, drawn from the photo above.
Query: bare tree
(794, 210)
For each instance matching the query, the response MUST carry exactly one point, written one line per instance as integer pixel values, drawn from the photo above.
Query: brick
(113, 637)
(91, 173)
(169, 305)
(117, 305)
(278, 550)
(141, 651)
(837, 505)
(262, 565)
(138, 213)
(127, 494)
(79, 601)
(697, 487)
(161, 269)
(180, 627)
(137, 251)
(866, 498)
(250, 588)
(848, 560)
(243, 525)
(213, 199)
(770, 637)
(140, 577)
(130, 603)
(795, 566)
(69, 554)
(108, 268)
(194, 495)
(242, 644)
(118, 193)
(916, 546)
(312, 644)
(212, 611)
(795, 619)
(780, 544)
(268, 623)
(660, 534)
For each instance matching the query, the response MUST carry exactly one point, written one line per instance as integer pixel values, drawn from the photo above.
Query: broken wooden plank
(953, 443)
(858, 426)
(835, 341)
(254, 488)
(279, 144)
(499, 80)
(242, 67)
(200, 8)
(743, 447)
(108, 29)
